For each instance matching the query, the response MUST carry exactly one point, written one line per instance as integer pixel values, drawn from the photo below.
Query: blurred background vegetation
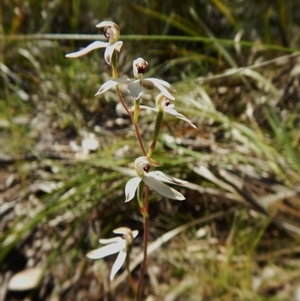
(65, 154)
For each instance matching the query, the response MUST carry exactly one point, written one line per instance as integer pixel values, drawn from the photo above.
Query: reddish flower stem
(136, 128)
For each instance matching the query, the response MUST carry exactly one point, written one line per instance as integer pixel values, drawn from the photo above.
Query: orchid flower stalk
(144, 179)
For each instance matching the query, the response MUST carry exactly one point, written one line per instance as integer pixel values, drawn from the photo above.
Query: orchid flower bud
(142, 166)
(111, 31)
(160, 102)
(139, 67)
(126, 233)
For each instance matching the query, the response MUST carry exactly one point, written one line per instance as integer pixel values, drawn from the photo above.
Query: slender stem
(114, 65)
(136, 110)
(135, 125)
(158, 122)
(122, 102)
(133, 118)
(145, 208)
(145, 243)
(137, 132)
(140, 198)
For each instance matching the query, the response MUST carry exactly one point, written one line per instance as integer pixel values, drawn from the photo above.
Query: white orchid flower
(115, 245)
(164, 105)
(135, 85)
(112, 32)
(154, 180)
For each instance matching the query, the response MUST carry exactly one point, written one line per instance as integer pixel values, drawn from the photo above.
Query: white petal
(162, 188)
(108, 53)
(174, 113)
(135, 89)
(135, 233)
(158, 84)
(148, 108)
(160, 176)
(94, 45)
(131, 188)
(106, 250)
(110, 50)
(106, 241)
(105, 24)
(118, 45)
(162, 83)
(118, 264)
(111, 83)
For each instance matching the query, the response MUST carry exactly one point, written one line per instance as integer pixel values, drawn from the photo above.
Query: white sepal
(131, 188)
(94, 45)
(110, 50)
(108, 53)
(118, 45)
(162, 188)
(118, 264)
(160, 85)
(106, 24)
(105, 241)
(161, 82)
(135, 89)
(135, 233)
(160, 176)
(174, 113)
(106, 250)
(110, 84)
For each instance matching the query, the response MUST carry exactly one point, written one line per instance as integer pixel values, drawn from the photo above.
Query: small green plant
(144, 178)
